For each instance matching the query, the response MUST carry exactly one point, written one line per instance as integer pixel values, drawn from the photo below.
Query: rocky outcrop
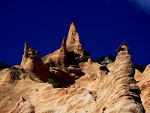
(23, 106)
(32, 63)
(70, 53)
(143, 81)
(5, 76)
(95, 92)
(58, 58)
(73, 41)
(62, 59)
(85, 86)
(118, 90)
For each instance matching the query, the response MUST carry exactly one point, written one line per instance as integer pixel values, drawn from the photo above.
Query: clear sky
(102, 26)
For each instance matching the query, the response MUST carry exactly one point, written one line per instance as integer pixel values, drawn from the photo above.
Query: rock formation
(73, 41)
(25, 55)
(58, 58)
(62, 59)
(122, 92)
(143, 81)
(72, 50)
(32, 63)
(84, 86)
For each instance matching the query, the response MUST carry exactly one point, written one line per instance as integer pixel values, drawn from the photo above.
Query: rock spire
(62, 59)
(25, 55)
(32, 63)
(73, 41)
(63, 45)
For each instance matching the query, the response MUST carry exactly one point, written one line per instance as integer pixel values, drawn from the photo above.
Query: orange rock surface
(83, 86)
(143, 81)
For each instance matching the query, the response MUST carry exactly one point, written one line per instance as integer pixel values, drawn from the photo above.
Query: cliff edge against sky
(69, 81)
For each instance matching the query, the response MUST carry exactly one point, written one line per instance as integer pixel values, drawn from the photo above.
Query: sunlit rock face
(70, 53)
(58, 58)
(32, 63)
(118, 90)
(73, 41)
(75, 85)
(143, 81)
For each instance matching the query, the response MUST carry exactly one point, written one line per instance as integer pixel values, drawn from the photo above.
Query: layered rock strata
(95, 92)
(143, 81)
(32, 63)
(84, 86)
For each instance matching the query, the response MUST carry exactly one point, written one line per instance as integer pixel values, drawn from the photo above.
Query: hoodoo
(62, 59)
(68, 81)
(71, 49)
(73, 41)
(32, 63)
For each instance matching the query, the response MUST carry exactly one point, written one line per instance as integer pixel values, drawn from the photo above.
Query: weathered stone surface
(73, 41)
(143, 81)
(70, 53)
(32, 63)
(98, 91)
(84, 85)
(25, 55)
(58, 58)
(5, 76)
(118, 90)
(62, 59)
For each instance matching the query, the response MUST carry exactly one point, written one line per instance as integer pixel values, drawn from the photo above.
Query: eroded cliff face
(83, 86)
(121, 92)
(32, 63)
(73, 40)
(143, 81)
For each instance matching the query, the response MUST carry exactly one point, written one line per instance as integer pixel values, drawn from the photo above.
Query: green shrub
(33, 77)
(15, 74)
(51, 81)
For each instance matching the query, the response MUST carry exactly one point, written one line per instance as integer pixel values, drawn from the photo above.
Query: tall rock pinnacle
(124, 58)
(25, 55)
(73, 41)
(62, 59)
(32, 63)
(63, 45)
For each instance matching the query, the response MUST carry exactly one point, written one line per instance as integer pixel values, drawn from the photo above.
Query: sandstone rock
(73, 41)
(118, 90)
(32, 63)
(5, 76)
(143, 81)
(94, 88)
(70, 53)
(25, 55)
(23, 106)
(58, 58)
(65, 77)
(62, 59)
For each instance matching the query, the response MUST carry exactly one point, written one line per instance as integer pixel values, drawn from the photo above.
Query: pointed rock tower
(62, 59)
(73, 41)
(124, 60)
(32, 63)
(123, 94)
(63, 46)
(25, 55)
(70, 53)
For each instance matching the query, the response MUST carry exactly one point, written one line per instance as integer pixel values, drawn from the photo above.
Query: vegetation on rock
(51, 81)
(15, 74)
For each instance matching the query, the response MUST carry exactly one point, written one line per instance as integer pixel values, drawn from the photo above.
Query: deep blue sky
(102, 25)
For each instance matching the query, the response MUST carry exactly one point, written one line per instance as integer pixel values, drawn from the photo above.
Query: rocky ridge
(83, 86)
